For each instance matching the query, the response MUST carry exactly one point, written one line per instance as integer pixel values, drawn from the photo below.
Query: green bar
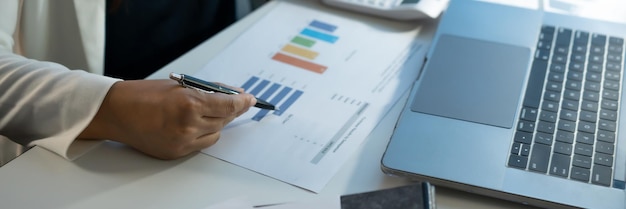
(303, 41)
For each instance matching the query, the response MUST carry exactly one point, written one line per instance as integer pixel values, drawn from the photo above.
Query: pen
(196, 83)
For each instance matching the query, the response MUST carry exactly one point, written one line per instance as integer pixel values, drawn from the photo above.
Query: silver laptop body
(481, 119)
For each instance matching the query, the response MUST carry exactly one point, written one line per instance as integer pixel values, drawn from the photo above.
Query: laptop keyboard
(568, 121)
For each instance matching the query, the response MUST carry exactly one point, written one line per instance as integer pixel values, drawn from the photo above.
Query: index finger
(224, 105)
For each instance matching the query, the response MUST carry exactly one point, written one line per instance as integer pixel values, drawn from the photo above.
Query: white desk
(114, 176)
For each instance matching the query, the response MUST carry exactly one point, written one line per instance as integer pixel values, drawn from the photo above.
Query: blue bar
(288, 103)
(260, 87)
(270, 91)
(280, 95)
(249, 83)
(323, 26)
(260, 115)
(263, 112)
(319, 35)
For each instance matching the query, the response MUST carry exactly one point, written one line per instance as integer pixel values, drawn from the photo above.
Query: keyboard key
(565, 136)
(616, 41)
(550, 106)
(576, 62)
(573, 75)
(614, 66)
(588, 116)
(547, 32)
(593, 76)
(586, 138)
(515, 150)
(568, 126)
(535, 83)
(554, 87)
(591, 96)
(597, 58)
(571, 95)
(610, 115)
(573, 85)
(580, 174)
(526, 126)
(614, 58)
(556, 77)
(587, 127)
(570, 104)
(598, 39)
(557, 68)
(606, 136)
(594, 67)
(569, 115)
(539, 158)
(544, 54)
(603, 159)
(543, 138)
(563, 148)
(613, 85)
(610, 94)
(561, 49)
(552, 96)
(612, 75)
(607, 125)
(580, 48)
(523, 137)
(583, 149)
(609, 105)
(581, 37)
(560, 165)
(589, 106)
(597, 50)
(544, 44)
(582, 161)
(614, 48)
(592, 86)
(546, 127)
(518, 161)
(548, 116)
(529, 114)
(606, 148)
(563, 36)
(601, 175)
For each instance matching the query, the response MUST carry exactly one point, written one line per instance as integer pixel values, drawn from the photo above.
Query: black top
(144, 35)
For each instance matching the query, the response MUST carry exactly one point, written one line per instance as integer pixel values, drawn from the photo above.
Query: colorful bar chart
(281, 96)
(299, 53)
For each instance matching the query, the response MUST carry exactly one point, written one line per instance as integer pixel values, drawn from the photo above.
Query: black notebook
(415, 196)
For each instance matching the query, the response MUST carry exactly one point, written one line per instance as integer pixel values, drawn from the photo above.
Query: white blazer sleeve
(44, 103)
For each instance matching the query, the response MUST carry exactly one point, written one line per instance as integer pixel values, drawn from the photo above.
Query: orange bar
(300, 51)
(299, 63)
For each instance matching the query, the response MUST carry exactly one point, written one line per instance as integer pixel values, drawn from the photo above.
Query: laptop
(519, 104)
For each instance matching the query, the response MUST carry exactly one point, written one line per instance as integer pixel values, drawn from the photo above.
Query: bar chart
(299, 51)
(281, 96)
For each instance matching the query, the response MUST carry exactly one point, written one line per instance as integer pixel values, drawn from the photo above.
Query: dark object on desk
(415, 196)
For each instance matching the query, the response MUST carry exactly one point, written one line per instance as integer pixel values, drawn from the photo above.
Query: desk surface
(115, 176)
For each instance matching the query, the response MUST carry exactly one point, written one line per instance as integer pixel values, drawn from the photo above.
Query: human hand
(163, 119)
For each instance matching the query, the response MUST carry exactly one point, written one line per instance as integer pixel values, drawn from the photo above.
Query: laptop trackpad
(473, 80)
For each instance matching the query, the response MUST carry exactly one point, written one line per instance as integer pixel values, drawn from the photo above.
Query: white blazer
(43, 103)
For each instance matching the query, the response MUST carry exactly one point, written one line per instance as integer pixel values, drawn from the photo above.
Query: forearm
(43, 101)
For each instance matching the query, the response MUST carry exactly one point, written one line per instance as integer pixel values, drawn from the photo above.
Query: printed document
(332, 76)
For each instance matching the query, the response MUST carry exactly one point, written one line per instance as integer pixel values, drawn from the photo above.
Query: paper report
(332, 76)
